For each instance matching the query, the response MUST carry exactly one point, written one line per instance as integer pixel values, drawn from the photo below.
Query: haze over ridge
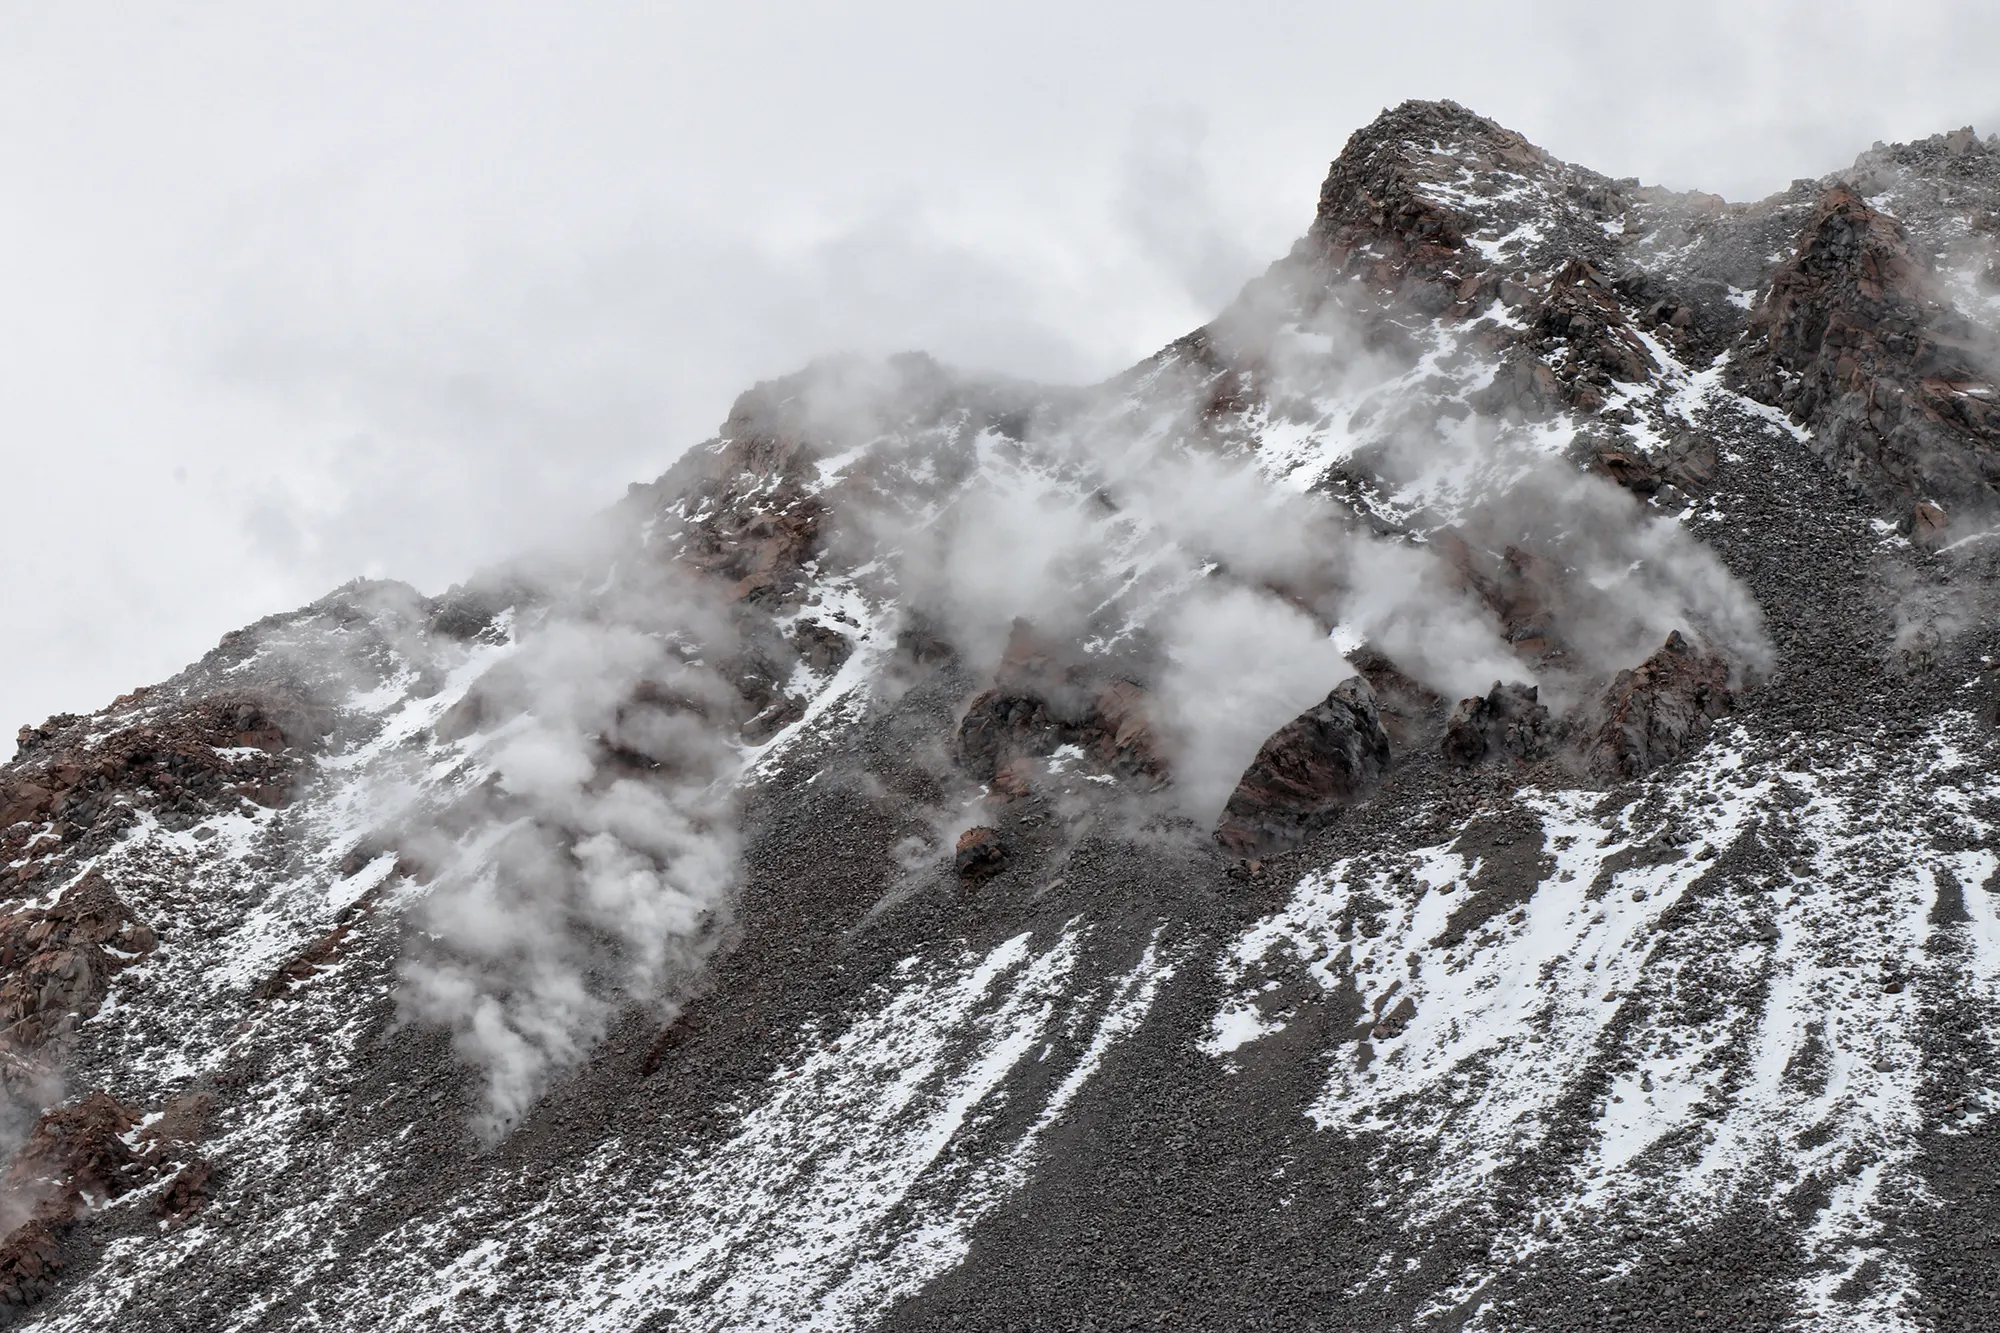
(343, 290)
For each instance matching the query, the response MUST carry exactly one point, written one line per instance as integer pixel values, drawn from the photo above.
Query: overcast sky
(296, 292)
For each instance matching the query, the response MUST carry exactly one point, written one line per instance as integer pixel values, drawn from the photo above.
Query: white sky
(295, 292)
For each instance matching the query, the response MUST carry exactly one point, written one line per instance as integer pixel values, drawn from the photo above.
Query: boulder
(1508, 723)
(1310, 770)
(980, 854)
(1658, 710)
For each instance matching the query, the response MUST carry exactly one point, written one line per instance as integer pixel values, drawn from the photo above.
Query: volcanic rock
(1411, 713)
(1628, 468)
(187, 1193)
(1045, 697)
(1657, 711)
(56, 963)
(1899, 389)
(1510, 722)
(1581, 330)
(76, 1157)
(79, 781)
(821, 647)
(1310, 770)
(81, 1150)
(980, 854)
(1526, 592)
(1376, 217)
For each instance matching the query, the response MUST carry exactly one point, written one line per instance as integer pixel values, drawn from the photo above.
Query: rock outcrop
(1527, 592)
(1044, 697)
(1581, 332)
(1309, 771)
(1900, 390)
(56, 963)
(1411, 713)
(78, 780)
(1658, 710)
(79, 1155)
(1508, 723)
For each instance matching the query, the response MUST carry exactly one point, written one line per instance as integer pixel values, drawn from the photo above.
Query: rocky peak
(1857, 340)
(1436, 186)
(1375, 186)
(1959, 153)
(840, 401)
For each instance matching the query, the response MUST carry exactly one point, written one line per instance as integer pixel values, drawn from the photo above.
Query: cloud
(396, 295)
(1240, 665)
(594, 867)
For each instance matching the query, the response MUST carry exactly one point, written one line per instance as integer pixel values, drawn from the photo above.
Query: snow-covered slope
(1461, 794)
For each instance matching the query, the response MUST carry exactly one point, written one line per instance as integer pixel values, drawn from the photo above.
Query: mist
(1120, 534)
(328, 291)
(591, 866)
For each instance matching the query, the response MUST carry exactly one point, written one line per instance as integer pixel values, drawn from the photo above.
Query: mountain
(1462, 794)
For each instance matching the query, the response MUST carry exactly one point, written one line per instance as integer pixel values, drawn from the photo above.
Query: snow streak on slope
(847, 1187)
(1719, 986)
(845, 1184)
(848, 1177)
(239, 894)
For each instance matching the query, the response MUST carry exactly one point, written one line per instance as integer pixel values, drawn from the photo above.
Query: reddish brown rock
(751, 521)
(183, 1120)
(1526, 592)
(980, 854)
(1626, 467)
(321, 954)
(1857, 341)
(1412, 715)
(1689, 462)
(752, 514)
(56, 963)
(1580, 330)
(1012, 780)
(1657, 711)
(1044, 698)
(1378, 218)
(187, 1193)
(80, 780)
(31, 1259)
(1929, 524)
(81, 1149)
(1311, 769)
(77, 1157)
